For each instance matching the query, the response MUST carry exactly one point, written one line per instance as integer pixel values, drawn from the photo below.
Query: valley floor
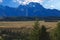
(18, 24)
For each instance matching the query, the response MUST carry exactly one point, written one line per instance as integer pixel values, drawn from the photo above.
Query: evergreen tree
(44, 35)
(57, 32)
(35, 31)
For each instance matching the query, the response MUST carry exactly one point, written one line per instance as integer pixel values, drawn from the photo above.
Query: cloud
(27, 1)
(1, 1)
(14, 1)
(52, 6)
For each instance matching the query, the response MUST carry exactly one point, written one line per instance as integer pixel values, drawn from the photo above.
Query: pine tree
(57, 32)
(44, 35)
(35, 31)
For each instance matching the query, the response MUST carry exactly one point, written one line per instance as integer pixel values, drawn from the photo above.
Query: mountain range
(32, 9)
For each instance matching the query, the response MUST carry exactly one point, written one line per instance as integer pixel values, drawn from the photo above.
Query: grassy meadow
(28, 24)
(29, 30)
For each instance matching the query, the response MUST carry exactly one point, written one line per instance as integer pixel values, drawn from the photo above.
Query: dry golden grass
(18, 24)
